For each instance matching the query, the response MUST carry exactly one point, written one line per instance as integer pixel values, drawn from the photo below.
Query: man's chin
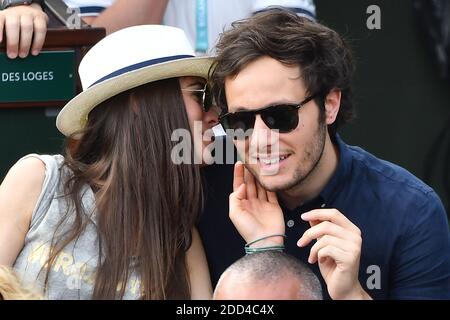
(275, 183)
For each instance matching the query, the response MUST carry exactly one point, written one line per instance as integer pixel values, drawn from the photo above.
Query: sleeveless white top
(73, 274)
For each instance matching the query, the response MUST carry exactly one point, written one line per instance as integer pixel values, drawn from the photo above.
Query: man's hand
(254, 211)
(337, 250)
(25, 27)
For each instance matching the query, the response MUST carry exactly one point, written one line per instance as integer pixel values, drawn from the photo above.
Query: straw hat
(127, 59)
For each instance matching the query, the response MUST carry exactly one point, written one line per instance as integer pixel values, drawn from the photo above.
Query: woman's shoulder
(30, 175)
(33, 169)
(20, 191)
(31, 187)
(27, 173)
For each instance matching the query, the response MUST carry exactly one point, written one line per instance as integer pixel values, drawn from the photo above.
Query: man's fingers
(272, 197)
(240, 193)
(327, 241)
(331, 252)
(236, 199)
(250, 183)
(262, 193)
(327, 228)
(332, 215)
(26, 35)
(313, 223)
(238, 178)
(12, 36)
(40, 31)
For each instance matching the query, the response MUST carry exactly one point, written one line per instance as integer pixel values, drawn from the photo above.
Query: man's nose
(262, 136)
(261, 132)
(260, 129)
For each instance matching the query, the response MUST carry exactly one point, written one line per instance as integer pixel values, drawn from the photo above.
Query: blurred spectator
(25, 26)
(204, 20)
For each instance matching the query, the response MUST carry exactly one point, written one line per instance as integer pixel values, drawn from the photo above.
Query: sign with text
(50, 76)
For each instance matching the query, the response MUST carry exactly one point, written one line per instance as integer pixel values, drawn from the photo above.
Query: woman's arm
(199, 278)
(19, 193)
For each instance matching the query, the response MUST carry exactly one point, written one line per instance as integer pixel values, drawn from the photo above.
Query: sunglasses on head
(203, 96)
(281, 117)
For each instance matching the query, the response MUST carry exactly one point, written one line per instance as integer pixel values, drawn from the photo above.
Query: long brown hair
(146, 205)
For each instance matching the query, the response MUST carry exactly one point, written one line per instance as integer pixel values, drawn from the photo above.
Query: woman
(114, 218)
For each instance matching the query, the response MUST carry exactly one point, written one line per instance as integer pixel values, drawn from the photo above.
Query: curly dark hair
(324, 58)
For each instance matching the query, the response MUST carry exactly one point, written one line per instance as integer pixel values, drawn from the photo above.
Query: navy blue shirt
(405, 250)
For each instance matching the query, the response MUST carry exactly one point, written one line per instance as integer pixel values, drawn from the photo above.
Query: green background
(401, 102)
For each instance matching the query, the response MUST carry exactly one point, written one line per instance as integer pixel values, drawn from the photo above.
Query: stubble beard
(312, 158)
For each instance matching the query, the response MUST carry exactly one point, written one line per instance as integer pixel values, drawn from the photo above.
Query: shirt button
(290, 223)
(323, 205)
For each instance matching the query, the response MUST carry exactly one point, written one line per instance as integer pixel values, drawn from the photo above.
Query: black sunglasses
(282, 117)
(203, 96)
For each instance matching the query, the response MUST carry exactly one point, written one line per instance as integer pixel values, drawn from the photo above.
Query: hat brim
(73, 117)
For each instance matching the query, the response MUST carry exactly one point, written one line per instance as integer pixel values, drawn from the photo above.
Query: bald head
(271, 275)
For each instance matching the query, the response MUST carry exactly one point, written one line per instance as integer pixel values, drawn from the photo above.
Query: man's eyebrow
(277, 103)
(240, 109)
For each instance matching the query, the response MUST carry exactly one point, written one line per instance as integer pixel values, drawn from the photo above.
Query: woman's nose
(212, 116)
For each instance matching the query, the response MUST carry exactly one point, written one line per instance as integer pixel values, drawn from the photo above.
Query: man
(270, 275)
(380, 232)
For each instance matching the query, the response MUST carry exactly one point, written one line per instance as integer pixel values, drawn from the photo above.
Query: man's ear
(332, 105)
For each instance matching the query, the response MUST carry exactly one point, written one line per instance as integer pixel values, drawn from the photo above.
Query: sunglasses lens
(238, 121)
(283, 118)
